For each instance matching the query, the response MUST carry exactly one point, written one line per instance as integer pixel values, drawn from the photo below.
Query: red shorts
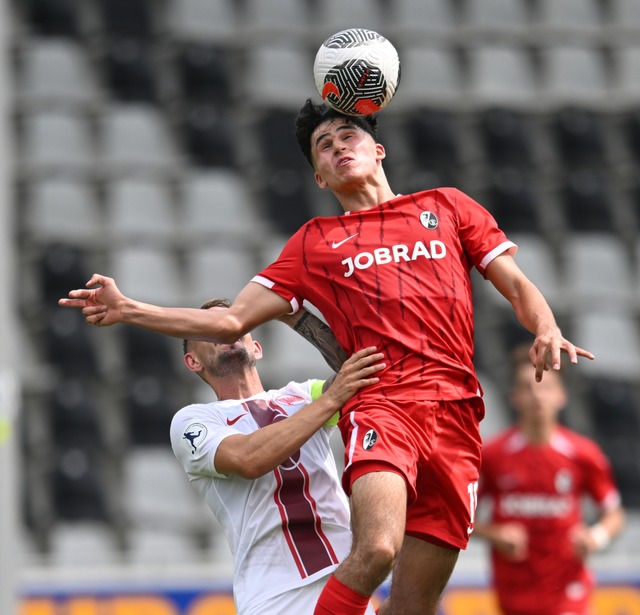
(435, 446)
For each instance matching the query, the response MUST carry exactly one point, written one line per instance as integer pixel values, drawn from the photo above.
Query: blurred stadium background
(151, 141)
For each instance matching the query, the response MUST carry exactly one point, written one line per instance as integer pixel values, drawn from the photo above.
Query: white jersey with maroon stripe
(286, 529)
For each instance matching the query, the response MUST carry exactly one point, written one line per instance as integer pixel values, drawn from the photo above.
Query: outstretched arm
(319, 334)
(253, 455)
(534, 313)
(103, 304)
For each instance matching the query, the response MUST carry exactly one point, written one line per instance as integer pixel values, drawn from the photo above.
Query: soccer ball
(357, 71)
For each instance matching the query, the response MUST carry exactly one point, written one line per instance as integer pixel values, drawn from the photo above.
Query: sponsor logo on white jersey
(399, 252)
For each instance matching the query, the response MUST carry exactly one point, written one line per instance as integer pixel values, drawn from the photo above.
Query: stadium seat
(149, 403)
(134, 138)
(79, 490)
(149, 274)
(208, 134)
(598, 272)
(286, 198)
(56, 73)
(570, 17)
(275, 131)
(263, 83)
(536, 258)
(433, 138)
(574, 74)
(491, 17)
(332, 16)
(627, 90)
(507, 136)
(131, 72)
(587, 201)
(56, 142)
(217, 271)
(513, 201)
(205, 72)
(139, 211)
(215, 206)
(62, 211)
(85, 544)
(157, 492)
(205, 21)
(73, 414)
(59, 268)
(624, 454)
(414, 19)
(502, 74)
(278, 19)
(127, 19)
(69, 346)
(150, 548)
(612, 336)
(55, 18)
(430, 76)
(614, 406)
(579, 136)
(626, 17)
(147, 353)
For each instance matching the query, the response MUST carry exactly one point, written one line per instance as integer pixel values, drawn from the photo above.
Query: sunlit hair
(211, 303)
(312, 115)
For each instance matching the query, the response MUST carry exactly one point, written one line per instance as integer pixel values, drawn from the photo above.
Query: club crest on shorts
(369, 440)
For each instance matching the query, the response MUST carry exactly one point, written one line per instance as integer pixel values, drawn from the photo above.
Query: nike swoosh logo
(232, 421)
(337, 244)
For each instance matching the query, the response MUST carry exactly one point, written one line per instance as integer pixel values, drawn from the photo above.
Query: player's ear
(381, 153)
(320, 180)
(257, 350)
(192, 362)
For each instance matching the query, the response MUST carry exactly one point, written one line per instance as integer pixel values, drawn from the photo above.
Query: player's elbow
(230, 330)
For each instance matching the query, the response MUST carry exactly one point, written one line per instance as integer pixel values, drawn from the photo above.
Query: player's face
(344, 154)
(222, 360)
(537, 400)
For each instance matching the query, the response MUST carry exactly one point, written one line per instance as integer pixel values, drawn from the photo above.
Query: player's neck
(365, 195)
(237, 386)
(538, 432)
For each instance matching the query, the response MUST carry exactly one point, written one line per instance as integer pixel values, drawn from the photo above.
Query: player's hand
(100, 306)
(552, 343)
(583, 541)
(358, 370)
(512, 540)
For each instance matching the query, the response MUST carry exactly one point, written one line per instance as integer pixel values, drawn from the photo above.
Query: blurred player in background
(536, 474)
(262, 462)
(393, 273)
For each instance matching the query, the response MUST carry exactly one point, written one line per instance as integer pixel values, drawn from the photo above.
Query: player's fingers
(72, 302)
(80, 293)
(94, 310)
(584, 353)
(97, 280)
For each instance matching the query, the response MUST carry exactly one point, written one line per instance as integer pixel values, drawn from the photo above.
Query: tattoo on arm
(321, 336)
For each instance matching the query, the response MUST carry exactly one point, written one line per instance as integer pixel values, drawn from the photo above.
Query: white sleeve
(195, 437)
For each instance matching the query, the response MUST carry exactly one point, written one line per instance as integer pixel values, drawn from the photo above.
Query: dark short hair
(312, 115)
(211, 303)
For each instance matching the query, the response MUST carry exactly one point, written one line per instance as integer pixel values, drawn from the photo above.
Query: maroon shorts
(435, 446)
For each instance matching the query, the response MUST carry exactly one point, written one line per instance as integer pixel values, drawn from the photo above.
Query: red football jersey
(541, 487)
(397, 276)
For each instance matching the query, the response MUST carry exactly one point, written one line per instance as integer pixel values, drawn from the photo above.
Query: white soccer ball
(357, 71)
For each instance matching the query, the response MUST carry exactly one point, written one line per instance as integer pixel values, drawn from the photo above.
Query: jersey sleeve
(195, 437)
(480, 235)
(283, 275)
(599, 480)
